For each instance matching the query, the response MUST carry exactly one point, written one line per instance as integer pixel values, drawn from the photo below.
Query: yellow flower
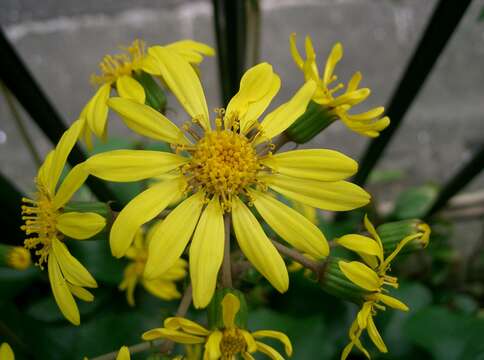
(163, 286)
(117, 72)
(6, 352)
(225, 343)
(367, 123)
(371, 276)
(15, 257)
(44, 217)
(123, 354)
(224, 168)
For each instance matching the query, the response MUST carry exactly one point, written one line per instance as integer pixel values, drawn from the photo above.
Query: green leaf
(414, 202)
(385, 176)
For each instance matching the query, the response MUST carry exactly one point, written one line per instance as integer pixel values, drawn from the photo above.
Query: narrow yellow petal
(363, 314)
(275, 335)
(295, 52)
(62, 295)
(207, 243)
(283, 116)
(375, 336)
(43, 174)
(354, 82)
(249, 340)
(81, 293)
(192, 51)
(359, 244)
(141, 209)
(257, 247)
(334, 57)
(183, 82)
(230, 308)
(335, 196)
(97, 111)
(188, 326)
(371, 229)
(72, 182)
(6, 352)
(146, 121)
(269, 351)
(132, 165)
(212, 346)
(361, 275)
(165, 290)
(316, 164)
(291, 225)
(80, 225)
(61, 152)
(173, 335)
(171, 238)
(129, 88)
(392, 302)
(123, 354)
(72, 269)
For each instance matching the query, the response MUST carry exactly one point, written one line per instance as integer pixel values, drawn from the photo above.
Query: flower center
(223, 163)
(40, 219)
(114, 66)
(232, 344)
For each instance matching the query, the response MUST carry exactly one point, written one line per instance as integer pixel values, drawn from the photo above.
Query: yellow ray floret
(328, 93)
(220, 168)
(46, 220)
(227, 342)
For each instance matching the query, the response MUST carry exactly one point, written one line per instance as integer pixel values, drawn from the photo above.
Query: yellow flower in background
(44, 217)
(371, 276)
(6, 352)
(225, 343)
(15, 257)
(117, 72)
(164, 286)
(367, 123)
(223, 168)
(123, 354)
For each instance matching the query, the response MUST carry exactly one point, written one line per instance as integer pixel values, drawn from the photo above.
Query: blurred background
(61, 42)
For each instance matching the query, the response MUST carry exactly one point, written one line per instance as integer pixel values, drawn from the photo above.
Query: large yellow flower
(222, 169)
(117, 72)
(44, 217)
(368, 123)
(371, 276)
(225, 343)
(164, 286)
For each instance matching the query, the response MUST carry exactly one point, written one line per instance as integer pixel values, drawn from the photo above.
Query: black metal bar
(23, 86)
(458, 182)
(10, 213)
(442, 24)
(230, 29)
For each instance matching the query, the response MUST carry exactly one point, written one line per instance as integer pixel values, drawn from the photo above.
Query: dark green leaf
(414, 202)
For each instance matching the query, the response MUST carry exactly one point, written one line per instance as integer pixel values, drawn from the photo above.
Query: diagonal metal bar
(458, 182)
(440, 28)
(23, 86)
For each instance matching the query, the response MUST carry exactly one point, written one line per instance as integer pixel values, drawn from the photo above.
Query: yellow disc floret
(40, 219)
(232, 343)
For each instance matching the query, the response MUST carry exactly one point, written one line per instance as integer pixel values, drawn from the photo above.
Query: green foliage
(414, 202)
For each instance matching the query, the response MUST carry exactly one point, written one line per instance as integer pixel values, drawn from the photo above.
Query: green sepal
(100, 208)
(314, 120)
(155, 96)
(334, 282)
(393, 232)
(215, 313)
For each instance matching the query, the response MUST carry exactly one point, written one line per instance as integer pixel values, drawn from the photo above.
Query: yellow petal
(335, 196)
(269, 351)
(212, 346)
(162, 289)
(43, 174)
(72, 269)
(81, 293)
(354, 82)
(333, 59)
(360, 274)
(129, 88)
(146, 121)
(123, 354)
(191, 50)
(188, 326)
(230, 308)
(375, 336)
(177, 271)
(173, 335)
(6, 352)
(171, 238)
(257, 247)
(97, 111)
(132, 165)
(316, 164)
(141, 209)
(80, 225)
(392, 302)
(61, 152)
(295, 52)
(360, 244)
(363, 314)
(275, 335)
(183, 82)
(290, 225)
(150, 65)
(249, 340)
(72, 182)
(62, 295)
(207, 243)
(283, 116)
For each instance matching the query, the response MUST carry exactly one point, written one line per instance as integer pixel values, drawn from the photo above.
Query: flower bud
(15, 257)
(155, 96)
(393, 233)
(314, 120)
(215, 312)
(334, 282)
